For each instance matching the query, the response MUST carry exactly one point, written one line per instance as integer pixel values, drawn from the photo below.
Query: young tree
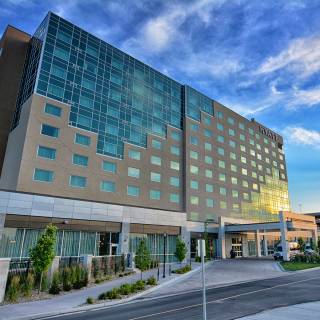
(44, 251)
(181, 250)
(301, 244)
(142, 259)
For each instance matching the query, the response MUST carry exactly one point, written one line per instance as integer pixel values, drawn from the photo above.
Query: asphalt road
(229, 302)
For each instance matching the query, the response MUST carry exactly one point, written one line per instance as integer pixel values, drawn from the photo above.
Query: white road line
(222, 299)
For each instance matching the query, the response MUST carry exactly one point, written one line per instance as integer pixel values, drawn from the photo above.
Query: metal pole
(164, 255)
(202, 248)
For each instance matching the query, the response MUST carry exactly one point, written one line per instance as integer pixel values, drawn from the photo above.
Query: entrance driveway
(225, 272)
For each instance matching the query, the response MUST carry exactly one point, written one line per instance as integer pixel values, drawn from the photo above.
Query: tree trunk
(40, 284)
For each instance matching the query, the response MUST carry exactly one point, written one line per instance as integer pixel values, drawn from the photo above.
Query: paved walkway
(304, 311)
(77, 298)
(225, 272)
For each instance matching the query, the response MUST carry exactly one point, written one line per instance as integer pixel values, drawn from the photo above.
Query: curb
(107, 305)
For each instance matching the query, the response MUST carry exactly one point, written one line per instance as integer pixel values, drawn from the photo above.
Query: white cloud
(302, 56)
(302, 136)
(304, 98)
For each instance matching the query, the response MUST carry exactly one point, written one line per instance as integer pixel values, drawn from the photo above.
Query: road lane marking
(222, 299)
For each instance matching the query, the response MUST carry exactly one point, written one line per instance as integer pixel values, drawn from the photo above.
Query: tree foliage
(181, 250)
(301, 244)
(143, 258)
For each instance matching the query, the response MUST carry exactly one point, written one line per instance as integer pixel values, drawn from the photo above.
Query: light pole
(164, 254)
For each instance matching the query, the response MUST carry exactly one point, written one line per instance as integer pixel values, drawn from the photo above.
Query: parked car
(308, 249)
(278, 253)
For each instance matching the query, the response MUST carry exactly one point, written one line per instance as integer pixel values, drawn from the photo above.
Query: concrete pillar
(185, 236)
(124, 238)
(265, 243)
(87, 263)
(315, 237)
(4, 270)
(2, 219)
(53, 268)
(258, 247)
(284, 236)
(222, 239)
(245, 245)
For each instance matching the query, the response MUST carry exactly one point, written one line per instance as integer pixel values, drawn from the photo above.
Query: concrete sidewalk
(304, 311)
(70, 301)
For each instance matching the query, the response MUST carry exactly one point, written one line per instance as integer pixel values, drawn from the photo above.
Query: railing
(108, 265)
(19, 267)
(70, 261)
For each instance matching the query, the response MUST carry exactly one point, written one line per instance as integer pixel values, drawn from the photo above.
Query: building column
(284, 235)
(222, 239)
(87, 263)
(53, 268)
(265, 243)
(315, 236)
(258, 247)
(185, 237)
(4, 270)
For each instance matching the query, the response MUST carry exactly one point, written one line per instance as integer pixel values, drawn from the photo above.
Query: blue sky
(260, 58)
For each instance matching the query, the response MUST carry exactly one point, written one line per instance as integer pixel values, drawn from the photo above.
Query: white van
(278, 253)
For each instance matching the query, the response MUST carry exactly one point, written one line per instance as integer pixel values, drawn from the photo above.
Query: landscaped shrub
(84, 277)
(152, 281)
(125, 289)
(102, 296)
(55, 285)
(113, 294)
(28, 285)
(95, 268)
(66, 279)
(306, 258)
(90, 300)
(13, 289)
(185, 269)
(140, 285)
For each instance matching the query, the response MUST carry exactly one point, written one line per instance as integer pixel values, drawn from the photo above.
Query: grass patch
(295, 266)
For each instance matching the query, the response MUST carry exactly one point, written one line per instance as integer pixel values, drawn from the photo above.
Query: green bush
(197, 259)
(28, 285)
(90, 300)
(13, 289)
(113, 294)
(95, 267)
(102, 296)
(125, 289)
(182, 270)
(152, 281)
(55, 285)
(140, 285)
(66, 279)
(306, 258)
(84, 277)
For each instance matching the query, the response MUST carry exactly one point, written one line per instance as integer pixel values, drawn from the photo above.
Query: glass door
(236, 245)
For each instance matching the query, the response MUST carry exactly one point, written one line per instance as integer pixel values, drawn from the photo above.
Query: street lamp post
(164, 254)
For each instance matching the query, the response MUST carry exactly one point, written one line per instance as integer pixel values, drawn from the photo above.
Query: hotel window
(133, 172)
(194, 127)
(252, 152)
(52, 110)
(50, 131)
(194, 184)
(273, 144)
(82, 139)
(230, 120)
(174, 197)
(275, 163)
(281, 166)
(222, 164)
(260, 167)
(266, 150)
(257, 136)
(234, 180)
(208, 146)
(245, 184)
(209, 203)
(255, 186)
(109, 166)
(281, 157)
(268, 170)
(265, 140)
(194, 200)
(274, 154)
(107, 186)
(194, 155)
(209, 187)
(208, 160)
(222, 177)
(261, 178)
(220, 126)
(220, 115)
(207, 121)
(232, 143)
(194, 169)
(156, 144)
(242, 137)
(258, 146)
(175, 135)
(43, 175)
(251, 141)
(223, 191)
(175, 165)
(283, 176)
(235, 207)
(267, 160)
(155, 176)
(244, 171)
(235, 194)
(207, 133)
(233, 156)
(234, 168)
(254, 175)
(253, 163)
(155, 194)
(223, 205)
(259, 156)
(134, 154)
(174, 181)
(242, 148)
(133, 191)
(221, 151)
(241, 125)
(47, 153)
(243, 159)
(78, 181)
(175, 150)
(80, 160)
(156, 160)
(208, 173)
(194, 140)
(220, 139)
(231, 132)
(251, 131)
(245, 196)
